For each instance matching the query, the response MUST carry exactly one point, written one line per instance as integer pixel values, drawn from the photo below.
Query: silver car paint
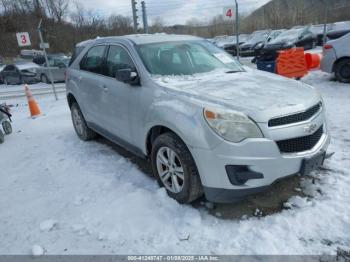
(341, 49)
(57, 73)
(260, 95)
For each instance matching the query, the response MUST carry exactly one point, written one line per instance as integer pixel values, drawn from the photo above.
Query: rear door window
(75, 54)
(93, 60)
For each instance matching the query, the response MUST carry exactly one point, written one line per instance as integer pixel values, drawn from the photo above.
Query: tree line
(66, 23)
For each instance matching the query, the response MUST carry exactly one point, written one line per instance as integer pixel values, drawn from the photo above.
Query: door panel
(90, 80)
(117, 94)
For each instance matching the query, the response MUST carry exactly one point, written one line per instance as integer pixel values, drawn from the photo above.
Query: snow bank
(105, 205)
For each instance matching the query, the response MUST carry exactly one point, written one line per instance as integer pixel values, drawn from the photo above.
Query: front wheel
(44, 79)
(6, 125)
(342, 71)
(175, 169)
(2, 137)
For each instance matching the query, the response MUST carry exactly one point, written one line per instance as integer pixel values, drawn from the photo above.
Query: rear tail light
(327, 46)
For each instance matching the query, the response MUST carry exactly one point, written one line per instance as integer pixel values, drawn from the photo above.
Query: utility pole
(325, 21)
(134, 15)
(144, 17)
(43, 46)
(237, 30)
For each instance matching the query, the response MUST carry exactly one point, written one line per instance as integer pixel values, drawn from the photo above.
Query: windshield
(186, 58)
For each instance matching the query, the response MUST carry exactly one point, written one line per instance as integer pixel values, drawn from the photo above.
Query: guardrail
(11, 92)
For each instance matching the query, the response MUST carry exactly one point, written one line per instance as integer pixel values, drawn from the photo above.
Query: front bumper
(261, 156)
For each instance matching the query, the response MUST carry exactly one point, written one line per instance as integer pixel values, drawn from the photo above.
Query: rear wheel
(175, 169)
(7, 127)
(2, 137)
(83, 131)
(342, 71)
(44, 79)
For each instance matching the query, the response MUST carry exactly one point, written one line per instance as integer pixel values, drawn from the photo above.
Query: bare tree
(157, 25)
(57, 9)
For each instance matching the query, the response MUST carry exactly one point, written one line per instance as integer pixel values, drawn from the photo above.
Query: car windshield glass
(289, 35)
(186, 58)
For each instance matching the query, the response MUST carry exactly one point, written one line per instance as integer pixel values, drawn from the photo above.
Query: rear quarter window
(75, 54)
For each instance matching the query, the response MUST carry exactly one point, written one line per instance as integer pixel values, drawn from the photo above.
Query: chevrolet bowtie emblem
(310, 128)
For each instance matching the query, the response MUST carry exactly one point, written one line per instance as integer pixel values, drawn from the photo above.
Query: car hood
(278, 46)
(282, 42)
(260, 95)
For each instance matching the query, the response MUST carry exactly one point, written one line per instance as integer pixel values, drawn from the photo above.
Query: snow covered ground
(60, 195)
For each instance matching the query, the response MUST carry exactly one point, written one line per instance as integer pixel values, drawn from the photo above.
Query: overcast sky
(171, 11)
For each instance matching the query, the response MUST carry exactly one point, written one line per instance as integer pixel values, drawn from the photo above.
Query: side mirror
(128, 76)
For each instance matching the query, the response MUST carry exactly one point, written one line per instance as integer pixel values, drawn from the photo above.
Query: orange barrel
(291, 63)
(313, 61)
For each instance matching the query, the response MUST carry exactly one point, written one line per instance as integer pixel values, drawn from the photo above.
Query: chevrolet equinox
(208, 124)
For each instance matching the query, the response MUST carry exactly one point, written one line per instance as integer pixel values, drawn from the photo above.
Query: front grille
(300, 144)
(295, 118)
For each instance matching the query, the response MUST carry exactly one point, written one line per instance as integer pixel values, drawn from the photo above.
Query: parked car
(40, 59)
(258, 37)
(338, 30)
(30, 54)
(222, 41)
(207, 123)
(1, 68)
(57, 66)
(318, 31)
(19, 73)
(231, 46)
(336, 58)
(259, 52)
(297, 37)
(5, 122)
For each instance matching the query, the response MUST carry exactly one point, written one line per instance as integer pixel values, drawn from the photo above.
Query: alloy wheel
(170, 169)
(78, 121)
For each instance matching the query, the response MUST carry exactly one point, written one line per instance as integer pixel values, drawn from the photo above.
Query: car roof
(140, 39)
(25, 65)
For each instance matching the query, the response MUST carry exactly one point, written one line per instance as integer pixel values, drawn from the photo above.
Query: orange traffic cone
(33, 106)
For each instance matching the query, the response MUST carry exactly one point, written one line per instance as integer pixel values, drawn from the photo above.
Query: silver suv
(336, 58)
(208, 124)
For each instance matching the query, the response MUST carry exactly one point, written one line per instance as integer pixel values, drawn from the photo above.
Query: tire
(342, 71)
(82, 130)
(44, 79)
(190, 187)
(2, 137)
(6, 125)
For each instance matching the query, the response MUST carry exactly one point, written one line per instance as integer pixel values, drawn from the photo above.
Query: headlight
(231, 125)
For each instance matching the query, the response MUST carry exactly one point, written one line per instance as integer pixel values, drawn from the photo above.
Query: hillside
(286, 13)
